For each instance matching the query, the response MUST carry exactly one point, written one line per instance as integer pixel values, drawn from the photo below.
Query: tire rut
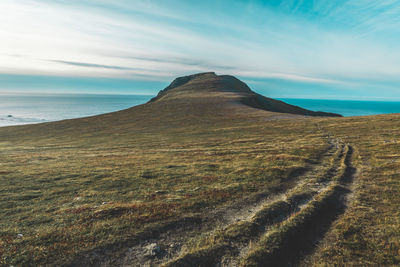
(170, 237)
(299, 235)
(227, 248)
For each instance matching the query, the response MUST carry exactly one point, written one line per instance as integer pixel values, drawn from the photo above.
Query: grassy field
(65, 196)
(101, 184)
(369, 231)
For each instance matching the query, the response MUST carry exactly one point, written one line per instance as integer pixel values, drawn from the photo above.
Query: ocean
(35, 108)
(347, 107)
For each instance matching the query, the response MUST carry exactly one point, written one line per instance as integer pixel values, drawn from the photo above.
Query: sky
(291, 49)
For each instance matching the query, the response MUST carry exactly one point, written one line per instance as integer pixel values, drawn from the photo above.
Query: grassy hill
(207, 173)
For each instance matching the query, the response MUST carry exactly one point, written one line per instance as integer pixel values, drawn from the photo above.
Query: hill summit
(225, 89)
(196, 101)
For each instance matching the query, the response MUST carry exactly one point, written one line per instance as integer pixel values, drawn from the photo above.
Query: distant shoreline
(20, 109)
(36, 108)
(347, 108)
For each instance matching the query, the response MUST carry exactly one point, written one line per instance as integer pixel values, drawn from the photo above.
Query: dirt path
(280, 233)
(297, 237)
(174, 244)
(227, 249)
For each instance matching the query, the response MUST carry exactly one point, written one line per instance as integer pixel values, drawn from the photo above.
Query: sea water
(35, 108)
(347, 107)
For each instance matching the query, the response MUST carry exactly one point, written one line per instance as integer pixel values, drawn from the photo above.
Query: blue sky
(301, 49)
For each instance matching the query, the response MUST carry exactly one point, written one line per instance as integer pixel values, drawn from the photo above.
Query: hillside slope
(197, 177)
(206, 98)
(228, 90)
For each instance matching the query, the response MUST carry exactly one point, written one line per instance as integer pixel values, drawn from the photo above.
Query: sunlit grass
(75, 185)
(64, 194)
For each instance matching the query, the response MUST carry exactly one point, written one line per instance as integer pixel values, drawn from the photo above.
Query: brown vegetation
(181, 170)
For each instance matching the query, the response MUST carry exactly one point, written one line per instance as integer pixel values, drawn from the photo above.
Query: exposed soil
(299, 240)
(158, 245)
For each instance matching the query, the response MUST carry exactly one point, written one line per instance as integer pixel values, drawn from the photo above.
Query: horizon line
(38, 93)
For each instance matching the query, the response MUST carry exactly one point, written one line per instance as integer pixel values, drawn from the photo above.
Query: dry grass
(369, 232)
(75, 190)
(75, 185)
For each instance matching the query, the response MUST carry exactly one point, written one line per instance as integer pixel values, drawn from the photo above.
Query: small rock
(174, 245)
(152, 249)
(20, 235)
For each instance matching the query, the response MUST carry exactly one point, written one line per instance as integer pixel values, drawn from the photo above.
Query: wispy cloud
(90, 65)
(325, 42)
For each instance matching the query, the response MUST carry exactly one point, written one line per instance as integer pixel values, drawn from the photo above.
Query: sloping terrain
(201, 175)
(227, 90)
(206, 98)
